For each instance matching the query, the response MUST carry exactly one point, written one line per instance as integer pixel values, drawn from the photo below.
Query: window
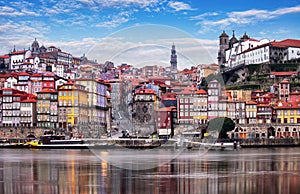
(291, 120)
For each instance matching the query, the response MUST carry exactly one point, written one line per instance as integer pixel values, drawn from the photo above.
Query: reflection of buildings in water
(249, 171)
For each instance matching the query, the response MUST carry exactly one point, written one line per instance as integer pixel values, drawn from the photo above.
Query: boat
(138, 143)
(213, 145)
(55, 142)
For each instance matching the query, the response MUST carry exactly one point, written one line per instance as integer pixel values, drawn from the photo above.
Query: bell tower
(173, 60)
(223, 45)
(35, 47)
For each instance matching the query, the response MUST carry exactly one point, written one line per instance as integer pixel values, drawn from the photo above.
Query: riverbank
(265, 143)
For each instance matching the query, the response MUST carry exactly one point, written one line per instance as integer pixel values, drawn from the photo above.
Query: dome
(245, 37)
(223, 34)
(35, 44)
(35, 47)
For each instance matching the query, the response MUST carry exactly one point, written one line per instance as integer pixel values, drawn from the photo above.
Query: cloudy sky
(141, 32)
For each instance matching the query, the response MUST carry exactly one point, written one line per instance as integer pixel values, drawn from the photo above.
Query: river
(126, 171)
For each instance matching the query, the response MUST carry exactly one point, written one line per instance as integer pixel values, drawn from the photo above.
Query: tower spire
(173, 60)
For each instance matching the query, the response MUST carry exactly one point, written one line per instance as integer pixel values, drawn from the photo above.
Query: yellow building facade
(73, 106)
(288, 119)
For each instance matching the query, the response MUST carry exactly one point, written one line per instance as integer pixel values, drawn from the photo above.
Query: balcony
(264, 113)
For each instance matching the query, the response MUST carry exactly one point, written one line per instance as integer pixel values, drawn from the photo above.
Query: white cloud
(202, 16)
(244, 17)
(190, 51)
(74, 47)
(179, 6)
(152, 43)
(21, 34)
(12, 12)
(115, 20)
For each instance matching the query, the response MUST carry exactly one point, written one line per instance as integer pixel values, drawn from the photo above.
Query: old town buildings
(50, 89)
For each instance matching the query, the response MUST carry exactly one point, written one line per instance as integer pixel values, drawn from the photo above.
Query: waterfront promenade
(263, 143)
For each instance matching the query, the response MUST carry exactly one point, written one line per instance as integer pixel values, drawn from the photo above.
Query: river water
(114, 171)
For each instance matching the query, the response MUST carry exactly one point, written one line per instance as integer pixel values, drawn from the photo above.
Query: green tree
(220, 125)
(235, 77)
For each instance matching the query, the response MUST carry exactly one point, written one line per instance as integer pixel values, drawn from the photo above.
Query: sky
(141, 32)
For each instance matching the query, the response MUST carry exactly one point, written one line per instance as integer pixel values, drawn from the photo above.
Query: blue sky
(81, 26)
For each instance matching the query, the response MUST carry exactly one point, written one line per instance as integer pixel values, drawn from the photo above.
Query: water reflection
(80, 171)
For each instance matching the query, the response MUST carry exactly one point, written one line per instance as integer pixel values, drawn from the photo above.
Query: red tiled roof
(31, 57)
(48, 75)
(169, 98)
(284, 73)
(286, 43)
(4, 57)
(145, 91)
(282, 44)
(201, 91)
(5, 75)
(165, 109)
(252, 39)
(27, 63)
(295, 93)
(288, 105)
(36, 75)
(18, 52)
(251, 102)
(29, 100)
(48, 90)
(23, 74)
(285, 81)
(187, 90)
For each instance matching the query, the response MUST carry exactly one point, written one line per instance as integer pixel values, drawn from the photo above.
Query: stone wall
(20, 132)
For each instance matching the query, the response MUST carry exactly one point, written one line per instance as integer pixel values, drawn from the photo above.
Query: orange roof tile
(23, 74)
(29, 100)
(4, 57)
(285, 73)
(145, 91)
(201, 91)
(286, 43)
(251, 103)
(48, 90)
(18, 52)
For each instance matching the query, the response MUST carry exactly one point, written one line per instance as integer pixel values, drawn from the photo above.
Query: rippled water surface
(157, 171)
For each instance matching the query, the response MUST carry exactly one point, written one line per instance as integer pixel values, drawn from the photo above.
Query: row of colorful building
(82, 104)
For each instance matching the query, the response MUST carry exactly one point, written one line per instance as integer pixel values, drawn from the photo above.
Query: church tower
(173, 59)
(223, 45)
(35, 48)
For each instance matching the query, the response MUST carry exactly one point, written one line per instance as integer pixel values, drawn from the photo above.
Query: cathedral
(225, 43)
